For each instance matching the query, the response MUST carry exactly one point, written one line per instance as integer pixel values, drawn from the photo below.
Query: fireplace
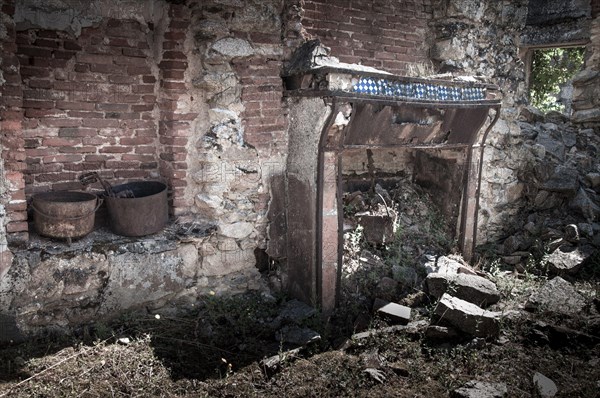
(342, 112)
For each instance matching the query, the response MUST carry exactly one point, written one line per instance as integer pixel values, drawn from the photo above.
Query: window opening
(552, 70)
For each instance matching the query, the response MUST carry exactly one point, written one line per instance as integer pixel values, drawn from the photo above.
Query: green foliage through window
(550, 69)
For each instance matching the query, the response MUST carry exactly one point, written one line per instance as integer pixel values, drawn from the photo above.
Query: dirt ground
(218, 349)
(176, 357)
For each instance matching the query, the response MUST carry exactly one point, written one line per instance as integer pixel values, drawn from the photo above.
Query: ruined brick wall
(240, 139)
(13, 227)
(110, 97)
(386, 34)
(89, 104)
(175, 104)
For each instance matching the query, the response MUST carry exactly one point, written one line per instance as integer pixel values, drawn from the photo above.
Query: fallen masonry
(472, 288)
(468, 317)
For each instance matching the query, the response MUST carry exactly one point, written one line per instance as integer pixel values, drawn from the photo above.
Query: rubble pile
(387, 234)
(408, 272)
(558, 223)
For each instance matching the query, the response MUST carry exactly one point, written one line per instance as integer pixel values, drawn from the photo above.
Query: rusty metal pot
(65, 214)
(142, 211)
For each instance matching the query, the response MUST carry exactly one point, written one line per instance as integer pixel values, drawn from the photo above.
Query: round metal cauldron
(65, 214)
(143, 211)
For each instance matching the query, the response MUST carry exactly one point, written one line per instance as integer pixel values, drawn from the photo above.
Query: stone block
(556, 296)
(377, 228)
(563, 262)
(468, 317)
(544, 386)
(480, 389)
(396, 312)
(472, 288)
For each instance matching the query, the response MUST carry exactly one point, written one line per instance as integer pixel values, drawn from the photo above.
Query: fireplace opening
(400, 208)
(367, 149)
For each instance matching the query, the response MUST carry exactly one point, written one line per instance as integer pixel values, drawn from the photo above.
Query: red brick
(145, 149)
(13, 227)
(117, 164)
(63, 54)
(176, 36)
(82, 68)
(122, 79)
(115, 149)
(143, 88)
(41, 104)
(138, 70)
(77, 106)
(56, 177)
(60, 122)
(62, 158)
(37, 72)
(131, 61)
(99, 141)
(71, 45)
(35, 52)
(149, 99)
(139, 158)
(40, 113)
(136, 141)
(179, 24)
(77, 132)
(173, 85)
(87, 77)
(169, 45)
(84, 114)
(174, 55)
(122, 116)
(173, 74)
(134, 52)
(46, 43)
(142, 108)
(97, 158)
(113, 107)
(78, 149)
(181, 65)
(16, 206)
(131, 174)
(35, 83)
(100, 123)
(107, 68)
(57, 141)
(177, 116)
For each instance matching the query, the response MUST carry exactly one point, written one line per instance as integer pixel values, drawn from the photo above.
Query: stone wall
(586, 84)
(481, 38)
(389, 35)
(240, 136)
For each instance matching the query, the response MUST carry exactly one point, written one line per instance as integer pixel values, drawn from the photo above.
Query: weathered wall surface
(190, 93)
(239, 138)
(389, 35)
(586, 84)
(481, 38)
(556, 22)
